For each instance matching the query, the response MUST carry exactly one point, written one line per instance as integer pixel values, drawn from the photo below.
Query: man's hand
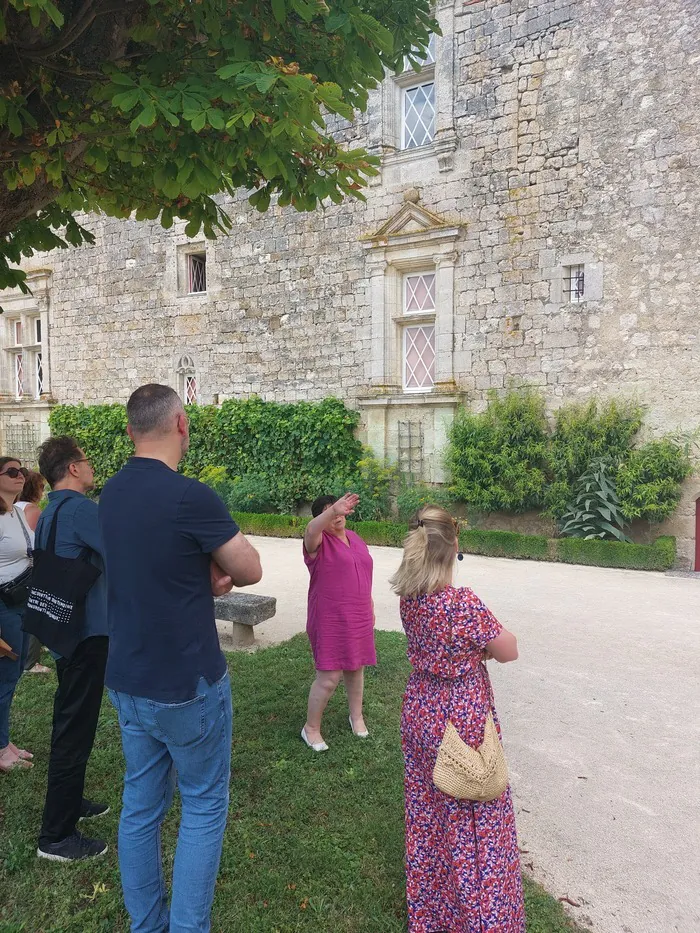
(221, 583)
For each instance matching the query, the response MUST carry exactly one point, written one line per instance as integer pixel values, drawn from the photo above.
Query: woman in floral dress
(462, 861)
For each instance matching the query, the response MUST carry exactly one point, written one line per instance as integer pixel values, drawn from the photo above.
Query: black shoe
(90, 810)
(73, 849)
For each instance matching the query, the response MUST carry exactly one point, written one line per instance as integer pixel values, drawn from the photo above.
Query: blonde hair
(428, 554)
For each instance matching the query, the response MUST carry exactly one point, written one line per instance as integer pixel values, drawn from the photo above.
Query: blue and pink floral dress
(462, 859)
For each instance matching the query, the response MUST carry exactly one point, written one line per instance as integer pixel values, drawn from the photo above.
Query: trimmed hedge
(661, 555)
(504, 544)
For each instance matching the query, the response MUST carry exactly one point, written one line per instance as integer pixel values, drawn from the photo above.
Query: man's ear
(130, 432)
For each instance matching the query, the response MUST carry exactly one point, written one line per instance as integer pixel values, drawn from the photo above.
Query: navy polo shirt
(158, 531)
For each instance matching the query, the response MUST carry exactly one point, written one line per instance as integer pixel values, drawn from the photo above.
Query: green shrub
(497, 458)
(504, 544)
(217, 478)
(649, 481)
(584, 434)
(595, 510)
(101, 432)
(596, 553)
(372, 481)
(276, 526)
(410, 498)
(383, 534)
(250, 493)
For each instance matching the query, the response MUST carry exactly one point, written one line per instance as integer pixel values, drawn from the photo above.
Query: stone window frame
(593, 279)
(184, 251)
(187, 376)
(386, 137)
(30, 312)
(389, 263)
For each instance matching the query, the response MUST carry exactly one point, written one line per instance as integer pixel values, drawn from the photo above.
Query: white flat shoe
(316, 746)
(360, 735)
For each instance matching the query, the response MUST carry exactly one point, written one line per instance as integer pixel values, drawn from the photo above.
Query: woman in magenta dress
(340, 621)
(462, 861)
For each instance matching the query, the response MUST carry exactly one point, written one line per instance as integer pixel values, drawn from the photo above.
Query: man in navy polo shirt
(170, 545)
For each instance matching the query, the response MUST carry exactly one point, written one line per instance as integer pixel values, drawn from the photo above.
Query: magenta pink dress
(340, 619)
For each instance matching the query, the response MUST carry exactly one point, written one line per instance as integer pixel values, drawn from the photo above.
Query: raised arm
(314, 530)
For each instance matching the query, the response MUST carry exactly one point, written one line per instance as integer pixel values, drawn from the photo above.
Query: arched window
(187, 378)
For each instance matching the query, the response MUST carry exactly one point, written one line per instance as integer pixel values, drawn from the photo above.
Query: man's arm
(239, 560)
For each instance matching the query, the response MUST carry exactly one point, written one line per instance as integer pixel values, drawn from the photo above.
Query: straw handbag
(479, 774)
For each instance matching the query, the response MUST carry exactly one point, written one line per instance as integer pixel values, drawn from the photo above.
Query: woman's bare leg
(322, 689)
(354, 687)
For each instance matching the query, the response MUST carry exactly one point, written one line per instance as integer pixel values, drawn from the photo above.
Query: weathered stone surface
(236, 616)
(576, 131)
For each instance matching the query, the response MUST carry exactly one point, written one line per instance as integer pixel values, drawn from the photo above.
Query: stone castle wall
(567, 132)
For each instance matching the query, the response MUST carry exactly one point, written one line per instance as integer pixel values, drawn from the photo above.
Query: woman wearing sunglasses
(16, 545)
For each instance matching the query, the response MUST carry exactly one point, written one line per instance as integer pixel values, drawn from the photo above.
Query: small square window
(574, 283)
(196, 273)
(37, 329)
(419, 358)
(418, 115)
(419, 293)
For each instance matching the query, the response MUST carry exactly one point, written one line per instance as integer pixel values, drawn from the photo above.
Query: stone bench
(236, 616)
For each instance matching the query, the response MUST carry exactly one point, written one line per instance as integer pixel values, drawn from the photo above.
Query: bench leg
(242, 636)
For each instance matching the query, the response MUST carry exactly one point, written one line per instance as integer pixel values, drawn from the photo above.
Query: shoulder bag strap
(51, 542)
(30, 549)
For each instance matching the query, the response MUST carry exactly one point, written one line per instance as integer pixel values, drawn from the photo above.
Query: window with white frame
(418, 340)
(418, 116)
(16, 328)
(574, 283)
(38, 375)
(19, 375)
(196, 273)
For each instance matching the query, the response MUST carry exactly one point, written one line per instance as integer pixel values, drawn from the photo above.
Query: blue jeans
(10, 671)
(167, 743)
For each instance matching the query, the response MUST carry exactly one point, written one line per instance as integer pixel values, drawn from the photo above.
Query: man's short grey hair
(151, 408)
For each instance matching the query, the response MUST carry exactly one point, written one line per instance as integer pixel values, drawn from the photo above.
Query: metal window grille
(190, 390)
(411, 450)
(39, 375)
(17, 332)
(419, 357)
(418, 115)
(197, 272)
(21, 441)
(19, 376)
(574, 283)
(419, 293)
(37, 329)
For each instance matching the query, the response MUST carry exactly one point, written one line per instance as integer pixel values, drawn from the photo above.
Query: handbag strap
(30, 548)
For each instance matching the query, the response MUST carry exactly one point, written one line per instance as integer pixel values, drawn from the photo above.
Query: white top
(13, 545)
(22, 505)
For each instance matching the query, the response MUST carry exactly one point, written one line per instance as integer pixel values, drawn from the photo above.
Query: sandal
(10, 762)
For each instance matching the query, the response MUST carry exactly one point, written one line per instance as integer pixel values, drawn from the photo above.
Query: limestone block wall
(567, 132)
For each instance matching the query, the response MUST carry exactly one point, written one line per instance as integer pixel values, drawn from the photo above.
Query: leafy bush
(595, 511)
(597, 553)
(497, 458)
(504, 544)
(249, 493)
(101, 432)
(372, 481)
(584, 434)
(649, 481)
(410, 498)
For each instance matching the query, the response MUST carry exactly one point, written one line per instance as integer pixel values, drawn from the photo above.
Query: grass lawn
(312, 843)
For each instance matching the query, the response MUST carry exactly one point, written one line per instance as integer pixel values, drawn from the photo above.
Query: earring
(460, 556)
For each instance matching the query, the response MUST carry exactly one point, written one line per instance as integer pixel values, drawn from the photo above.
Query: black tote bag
(55, 610)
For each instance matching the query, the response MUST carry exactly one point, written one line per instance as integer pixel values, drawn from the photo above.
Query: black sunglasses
(14, 472)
